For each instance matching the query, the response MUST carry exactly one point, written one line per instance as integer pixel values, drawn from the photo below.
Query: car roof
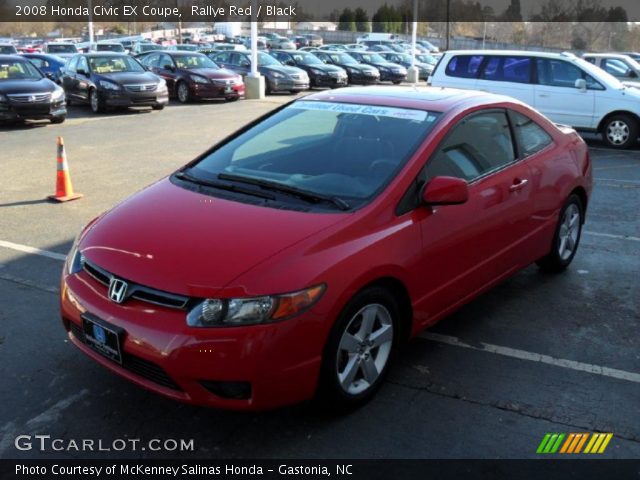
(521, 53)
(104, 54)
(610, 55)
(6, 57)
(436, 99)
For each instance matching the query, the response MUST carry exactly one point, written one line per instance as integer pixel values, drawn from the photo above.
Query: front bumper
(287, 84)
(327, 80)
(392, 76)
(32, 111)
(364, 78)
(280, 361)
(123, 98)
(211, 90)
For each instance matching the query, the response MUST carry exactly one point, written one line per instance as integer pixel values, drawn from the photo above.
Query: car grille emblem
(117, 290)
(32, 98)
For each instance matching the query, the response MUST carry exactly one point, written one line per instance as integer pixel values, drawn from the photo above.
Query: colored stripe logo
(574, 443)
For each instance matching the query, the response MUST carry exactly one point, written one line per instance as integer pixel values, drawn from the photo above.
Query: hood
(216, 73)
(43, 85)
(282, 69)
(130, 77)
(323, 67)
(183, 242)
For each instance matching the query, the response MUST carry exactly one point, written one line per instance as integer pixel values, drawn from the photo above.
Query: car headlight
(216, 312)
(2, 98)
(198, 79)
(277, 75)
(162, 84)
(57, 94)
(75, 259)
(316, 71)
(107, 85)
(352, 70)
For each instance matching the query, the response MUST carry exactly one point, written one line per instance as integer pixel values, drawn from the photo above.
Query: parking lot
(537, 354)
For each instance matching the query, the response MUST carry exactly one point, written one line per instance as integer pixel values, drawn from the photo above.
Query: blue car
(50, 65)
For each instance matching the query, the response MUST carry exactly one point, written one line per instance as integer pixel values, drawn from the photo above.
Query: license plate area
(104, 338)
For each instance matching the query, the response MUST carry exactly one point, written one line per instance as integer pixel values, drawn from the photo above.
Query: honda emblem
(117, 290)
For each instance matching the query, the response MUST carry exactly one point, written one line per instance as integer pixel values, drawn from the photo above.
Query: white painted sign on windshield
(375, 110)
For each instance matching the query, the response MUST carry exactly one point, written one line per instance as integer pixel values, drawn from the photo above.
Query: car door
(558, 97)
(167, 69)
(469, 247)
(69, 78)
(508, 75)
(241, 63)
(82, 80)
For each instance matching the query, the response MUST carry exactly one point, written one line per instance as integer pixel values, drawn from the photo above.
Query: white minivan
(562, 86)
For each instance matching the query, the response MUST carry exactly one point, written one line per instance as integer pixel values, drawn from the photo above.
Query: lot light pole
(254, 82)
(90, 23)
(413, 75)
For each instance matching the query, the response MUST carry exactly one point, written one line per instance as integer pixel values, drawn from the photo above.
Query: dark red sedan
(191, 75)
(292, 259)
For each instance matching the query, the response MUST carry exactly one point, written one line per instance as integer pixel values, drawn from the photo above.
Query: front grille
(143, 99)
(141, 367)
(29, 97)
(136, 291)
(142, 87)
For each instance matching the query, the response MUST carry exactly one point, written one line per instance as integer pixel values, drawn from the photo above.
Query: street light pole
(413, 75)
(90, 23)
(254, 82)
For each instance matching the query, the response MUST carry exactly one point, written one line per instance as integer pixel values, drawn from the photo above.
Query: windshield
(53, 48)
(114, 64)
(600, 74)
(306, 58)
(426, 58)
(372, 58)
(343, 58)
(18, 70)
(265, 59)
(110, 47)
(190, 48)
(191, 62)
(148, 47)
(343, 150)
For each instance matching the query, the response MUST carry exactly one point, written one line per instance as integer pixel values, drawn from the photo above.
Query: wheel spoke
(370, 370)
(382, 335)
(570, 243)
(349, 343)
(574, 219)
(563, 246)
(368, 319)
(350, 371)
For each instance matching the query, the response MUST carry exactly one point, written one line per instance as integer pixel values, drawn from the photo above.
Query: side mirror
(445, 191)
(81, 71)
(290, 63)
(169, 67)
(50, 76)
(581, 84)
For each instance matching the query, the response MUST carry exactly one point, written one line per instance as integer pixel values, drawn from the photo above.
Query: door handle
(518, 184)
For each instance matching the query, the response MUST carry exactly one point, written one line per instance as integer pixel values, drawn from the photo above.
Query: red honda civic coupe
(293, 258)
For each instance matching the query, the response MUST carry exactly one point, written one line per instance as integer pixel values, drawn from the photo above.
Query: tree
(362, 20)
(347, 20)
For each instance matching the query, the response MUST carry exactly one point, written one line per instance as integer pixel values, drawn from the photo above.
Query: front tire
(58, 120)
(396, 82)
(359, 350)
(160, 106)
(566, 238)
(620, 131)
(96, 103)
(183, 93)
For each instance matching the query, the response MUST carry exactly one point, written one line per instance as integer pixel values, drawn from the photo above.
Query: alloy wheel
(617, 132)
(183, 92)
(364, 348)
(569, 231)
(93, 100)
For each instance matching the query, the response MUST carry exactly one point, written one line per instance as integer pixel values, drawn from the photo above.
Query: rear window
(464, 66)
(508, 69)
(531, 136)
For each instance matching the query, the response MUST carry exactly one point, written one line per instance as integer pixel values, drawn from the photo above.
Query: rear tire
(620, 131)
(566, 238)
(359, 349)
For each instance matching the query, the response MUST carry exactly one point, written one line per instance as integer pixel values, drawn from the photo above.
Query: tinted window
(476, 146)
(465, 66)
(150, 60)
(590, 60)
(531, 137)
(222, 57)
(558, 73)
(72, 65)
(83, 65)
(39, 62)
(508, 69)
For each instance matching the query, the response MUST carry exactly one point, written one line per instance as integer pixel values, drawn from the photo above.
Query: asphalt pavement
(539, 353)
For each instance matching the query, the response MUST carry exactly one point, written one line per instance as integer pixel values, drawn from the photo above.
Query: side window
(165, 60)
(590, 60)
(559, 73)
(72, 65)
(223, 57)
(531, 137)
(151, 60)
(478, 145)
(82, 64)
(508, 69)
(464, 66)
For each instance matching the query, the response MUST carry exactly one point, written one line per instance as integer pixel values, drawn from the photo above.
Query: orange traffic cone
(64, 190)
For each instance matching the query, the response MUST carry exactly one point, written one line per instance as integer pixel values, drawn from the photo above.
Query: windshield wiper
(224, 186)
(281, 187)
